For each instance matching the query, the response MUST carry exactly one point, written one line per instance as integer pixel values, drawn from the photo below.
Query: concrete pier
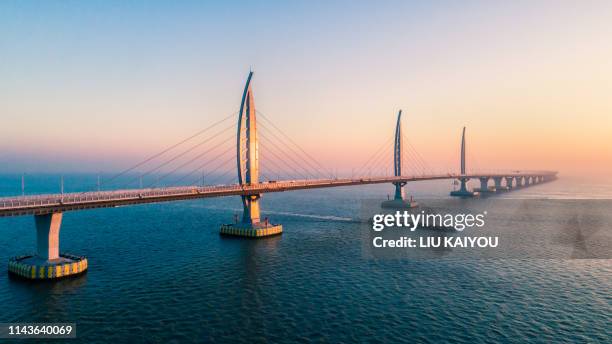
(48, 262)
(519, 182)
(484, 186)
(509, 185)
(463, 191)
(498, 184)
(400, 202)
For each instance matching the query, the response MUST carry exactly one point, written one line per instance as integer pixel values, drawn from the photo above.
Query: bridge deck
(43, 204)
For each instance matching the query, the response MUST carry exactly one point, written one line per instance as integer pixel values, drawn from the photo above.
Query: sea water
(162, 273)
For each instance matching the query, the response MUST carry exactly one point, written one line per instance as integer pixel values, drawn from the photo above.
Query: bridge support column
(250, 213)
(498, 184)
(463, 191)
(527, 181)
(399, 200)
(47, 235)
(509, 183)
(399, 191)
(48, 262)
(519, 182)
(484, 185)
(251, 226)
(484, 181)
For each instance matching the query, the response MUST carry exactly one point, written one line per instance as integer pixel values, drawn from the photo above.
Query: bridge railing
(55, 199)
(179, 191)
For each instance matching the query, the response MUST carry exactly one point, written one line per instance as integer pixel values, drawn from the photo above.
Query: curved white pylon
(397, 157)
(247, 155)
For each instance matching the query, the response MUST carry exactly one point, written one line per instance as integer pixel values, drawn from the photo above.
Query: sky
(99, 85)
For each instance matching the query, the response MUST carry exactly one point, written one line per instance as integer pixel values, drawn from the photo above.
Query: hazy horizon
(98, 86)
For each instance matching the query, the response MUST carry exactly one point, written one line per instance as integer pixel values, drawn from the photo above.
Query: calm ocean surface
(161, 273)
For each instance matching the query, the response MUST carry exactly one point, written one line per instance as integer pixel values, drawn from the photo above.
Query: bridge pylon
(247, 161)
(399, 199)
(463, 191)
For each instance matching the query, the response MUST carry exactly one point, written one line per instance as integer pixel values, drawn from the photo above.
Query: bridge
(49, 263)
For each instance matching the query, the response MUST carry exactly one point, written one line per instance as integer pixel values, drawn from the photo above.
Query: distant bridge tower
(247, 161)
(399, 200)
(397, 158)
(463, 191)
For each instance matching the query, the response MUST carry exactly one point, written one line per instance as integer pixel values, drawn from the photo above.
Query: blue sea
(161, 273)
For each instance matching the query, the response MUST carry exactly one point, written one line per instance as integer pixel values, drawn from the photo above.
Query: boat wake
(284, 213)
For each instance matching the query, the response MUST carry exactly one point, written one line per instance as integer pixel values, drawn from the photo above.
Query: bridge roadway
(51, 203)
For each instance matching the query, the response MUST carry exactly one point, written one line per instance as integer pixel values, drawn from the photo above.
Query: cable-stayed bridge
(239, 173)
(44, 204)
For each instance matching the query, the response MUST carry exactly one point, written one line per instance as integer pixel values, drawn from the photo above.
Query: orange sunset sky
(96, 86)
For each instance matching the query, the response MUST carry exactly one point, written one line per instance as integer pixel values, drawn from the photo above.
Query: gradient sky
(90, 86)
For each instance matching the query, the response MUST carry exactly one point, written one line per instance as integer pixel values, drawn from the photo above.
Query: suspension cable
(289, 157)
(309, 167)
(293, 142)
(164, 151)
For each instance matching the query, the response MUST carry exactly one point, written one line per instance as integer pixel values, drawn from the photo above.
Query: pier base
(34, 268)
(48, 263)
(258, 230)
(462, 193)
(399, 204)
(489, 190)
(399, 201)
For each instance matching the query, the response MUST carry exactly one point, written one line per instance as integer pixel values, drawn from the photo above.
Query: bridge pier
(484, 185)
(509, 183)
(519, 181)
(463, 191)
(251, 225)
(247, 153)
(527, 181)
(250, 213)
(498, 184)
(399, 200)
(48, 262)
